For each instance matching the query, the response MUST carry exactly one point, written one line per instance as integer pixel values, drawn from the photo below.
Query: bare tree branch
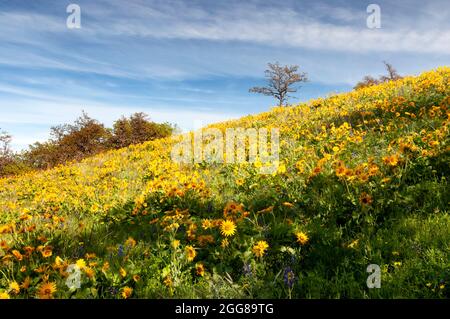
(280, 82)
(368, 80)
(392, 73)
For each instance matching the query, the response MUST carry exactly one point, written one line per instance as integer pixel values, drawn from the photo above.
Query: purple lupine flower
(289, 277)
(120, 251)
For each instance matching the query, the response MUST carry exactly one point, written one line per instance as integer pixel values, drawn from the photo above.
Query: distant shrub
(69, 142)
(10, 163)
(137, 129)
(15, 166)
(87, 137)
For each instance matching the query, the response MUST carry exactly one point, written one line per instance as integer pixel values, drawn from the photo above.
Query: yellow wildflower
(228, 228)
(260, 248)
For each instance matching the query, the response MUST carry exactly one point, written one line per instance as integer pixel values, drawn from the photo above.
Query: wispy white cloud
(274, 26)
(113, 29)
(76, 91)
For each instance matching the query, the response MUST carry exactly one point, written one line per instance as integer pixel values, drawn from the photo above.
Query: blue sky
(193, 61)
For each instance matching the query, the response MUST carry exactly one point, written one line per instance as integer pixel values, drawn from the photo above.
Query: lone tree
(5, 144)
(281, 80)
(392, 73)
(6, 154)
(368, 80)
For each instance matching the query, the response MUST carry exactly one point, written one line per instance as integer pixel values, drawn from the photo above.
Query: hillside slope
(362, 179)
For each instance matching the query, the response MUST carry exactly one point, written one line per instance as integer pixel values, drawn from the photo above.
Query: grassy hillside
(362, 179)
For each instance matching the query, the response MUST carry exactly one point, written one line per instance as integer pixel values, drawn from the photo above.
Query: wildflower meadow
(361, 179)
